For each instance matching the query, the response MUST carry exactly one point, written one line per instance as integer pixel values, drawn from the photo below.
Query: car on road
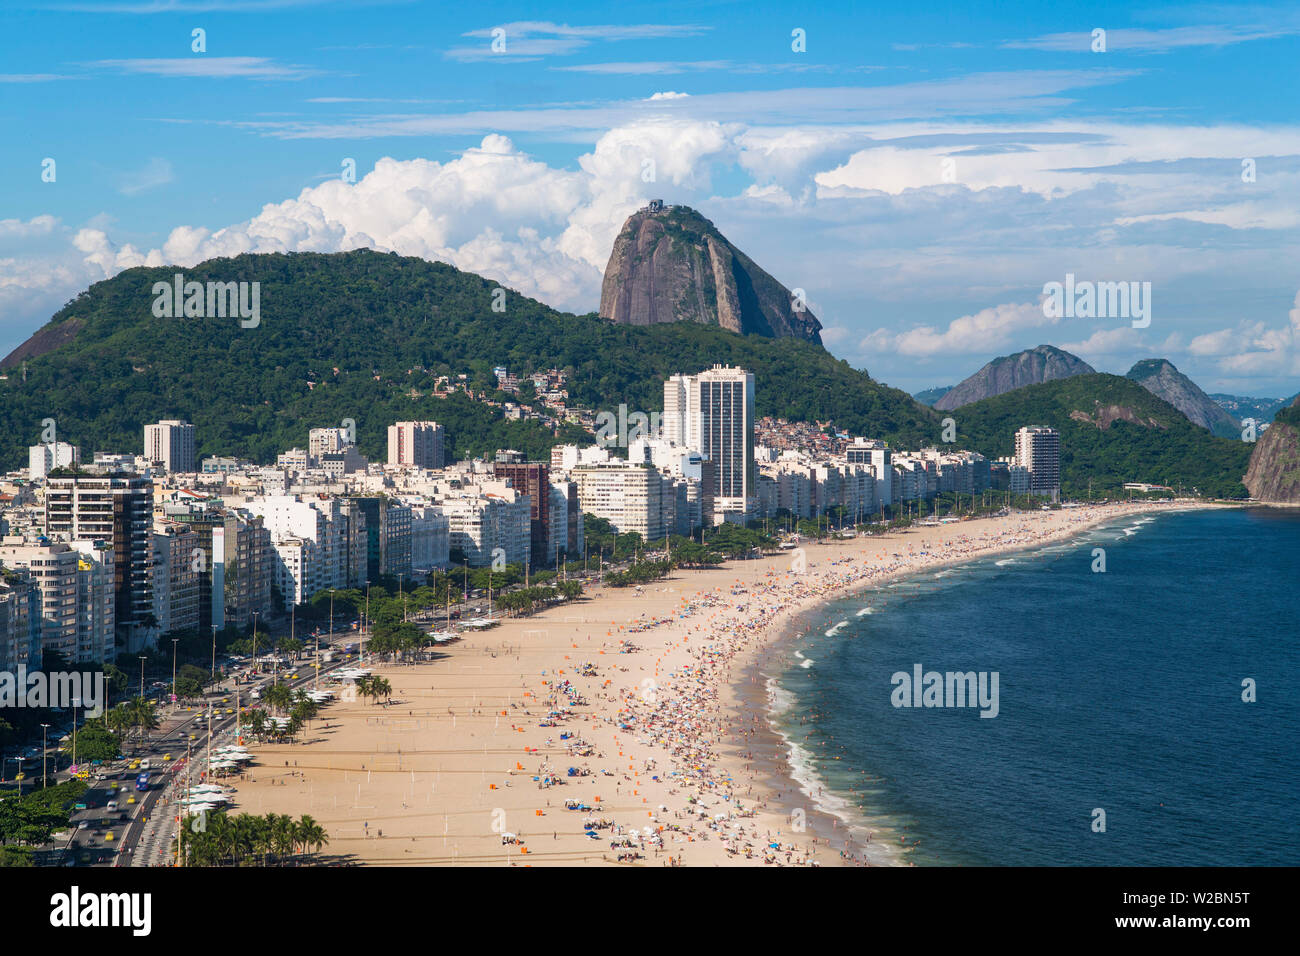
(111, 805)
(83, 825)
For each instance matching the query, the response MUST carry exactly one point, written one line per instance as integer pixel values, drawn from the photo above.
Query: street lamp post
(175, 642)
(44, 746)
(214, 651)
(142, 660)
(76, 702)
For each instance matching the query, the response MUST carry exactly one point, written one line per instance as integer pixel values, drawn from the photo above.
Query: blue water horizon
(1119, 691)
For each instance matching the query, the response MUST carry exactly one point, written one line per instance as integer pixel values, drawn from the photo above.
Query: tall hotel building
(172, 444)
(419, 444)
(713, 413)
(1038, 449)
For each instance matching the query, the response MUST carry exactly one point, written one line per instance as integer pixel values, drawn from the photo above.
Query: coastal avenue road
(127, 823)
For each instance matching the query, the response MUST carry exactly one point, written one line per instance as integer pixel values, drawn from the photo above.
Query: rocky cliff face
(1161, 379)
(1274, 472)
(1046, 363)
(670, 264)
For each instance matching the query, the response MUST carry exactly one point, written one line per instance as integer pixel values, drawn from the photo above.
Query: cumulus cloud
(494, 210)
(859, 216)
(1254, 348)
(984, 331)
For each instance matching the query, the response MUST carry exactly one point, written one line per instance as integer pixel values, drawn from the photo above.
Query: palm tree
(311, 834)
(278, 696)
(380, 687)
(282, 834)
(142, 716)
(364, 686)
(118, 719)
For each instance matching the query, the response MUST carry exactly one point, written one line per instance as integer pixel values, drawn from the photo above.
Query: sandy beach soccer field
(648, 694)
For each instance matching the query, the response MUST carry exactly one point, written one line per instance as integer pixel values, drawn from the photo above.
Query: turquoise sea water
(1118, 691)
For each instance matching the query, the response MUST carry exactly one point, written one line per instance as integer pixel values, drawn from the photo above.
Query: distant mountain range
(1045, 363)
(932, 395)
(1260, 409)
(670, 264)
(1112, 431)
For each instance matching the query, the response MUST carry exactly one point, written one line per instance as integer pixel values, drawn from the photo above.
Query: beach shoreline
(667, 724)
(763, 664)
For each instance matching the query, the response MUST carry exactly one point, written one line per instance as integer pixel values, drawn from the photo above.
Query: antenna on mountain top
(656, 205)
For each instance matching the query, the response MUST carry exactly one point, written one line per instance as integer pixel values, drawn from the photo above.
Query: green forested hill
(1143, 439)
(363, 335)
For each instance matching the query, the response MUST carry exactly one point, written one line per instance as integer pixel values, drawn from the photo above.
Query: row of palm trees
(374, 687)
(218, 839)
(296, 705)
(136, 714)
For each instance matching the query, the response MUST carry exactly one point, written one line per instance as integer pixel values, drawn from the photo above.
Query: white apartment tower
(880, 458)
(172, 444)
(1038, 449)
(326, 441)
(42, 459)
(418, 444)
(713, 413)
(681, 418)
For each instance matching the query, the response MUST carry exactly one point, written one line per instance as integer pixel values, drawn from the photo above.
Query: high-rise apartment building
(42, 459)
(713, 413)
(326, 441)
(879, 457)
(20, 621)
(76, 606)
(418, 444)
(170, 444)
(178, 564)
(237, 561)
(534, 480)
(1038, 449)
(117, 509)
(630, 496)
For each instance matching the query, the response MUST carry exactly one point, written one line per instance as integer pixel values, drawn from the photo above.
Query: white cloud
(985, 331)
(156, 172)
(248, 67)
(1119, 340)
(647, 67)
(1254, 348)
(1151, 41)
(534, 38)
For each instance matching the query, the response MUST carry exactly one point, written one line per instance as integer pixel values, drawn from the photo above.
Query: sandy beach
(652, 696)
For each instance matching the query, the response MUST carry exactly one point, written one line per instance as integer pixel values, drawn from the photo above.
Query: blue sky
(921, 171)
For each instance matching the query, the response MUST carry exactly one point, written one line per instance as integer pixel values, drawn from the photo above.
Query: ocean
(1121, 735)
